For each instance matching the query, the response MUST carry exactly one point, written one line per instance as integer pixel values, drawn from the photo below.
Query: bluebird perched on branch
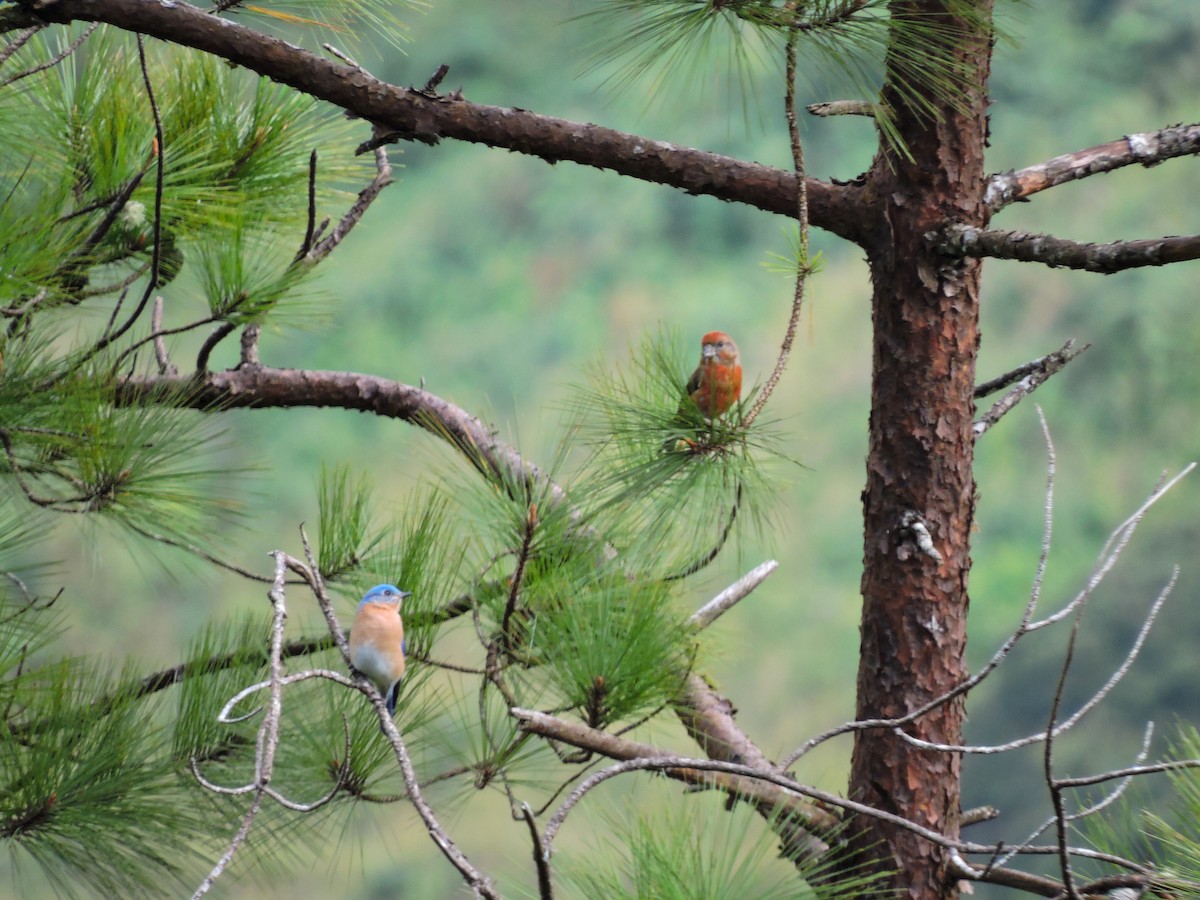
(377, 640)
(716, 385)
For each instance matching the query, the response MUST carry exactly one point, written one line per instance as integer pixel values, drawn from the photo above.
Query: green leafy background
(498, 280)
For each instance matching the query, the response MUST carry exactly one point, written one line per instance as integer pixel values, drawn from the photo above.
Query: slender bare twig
(20, 40)
(1056, 797)
(1092, 702)
(724, 601)
(1014, 375)
(541, 859)
(160, 346)
(268, 733)
(803, 264)
(222, 331)
(661, 763)
(514, 592)
(1026, 379)
(58, 504)
(383, 177)
(198, 552)
(311, 223)
(32, 602)
(49, 63)
(1089, 810)
(1173, 765)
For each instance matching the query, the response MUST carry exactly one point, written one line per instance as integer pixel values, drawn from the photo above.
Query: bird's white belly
(374, 664)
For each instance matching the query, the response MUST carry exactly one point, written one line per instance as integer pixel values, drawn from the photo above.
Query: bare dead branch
(268, 733)
(20, 40)
(1028, 377)
(46, 64)
(541, 859)
(1117, 256)
(1146, 149)
(662, 763)
(1130, 772)
(842, 108)
(160, 346)
(725, 601)
(383, 177)
(767, 798)
(1033, 366)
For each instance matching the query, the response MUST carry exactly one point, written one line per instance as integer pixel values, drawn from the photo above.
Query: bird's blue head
(387, 594)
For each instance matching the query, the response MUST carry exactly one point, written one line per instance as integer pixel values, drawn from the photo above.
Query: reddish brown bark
(925, 311)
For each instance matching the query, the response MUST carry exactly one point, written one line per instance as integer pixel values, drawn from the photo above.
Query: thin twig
(541, 859)
(825, 798)
(714, 551)
(268, 733)
(367, 196)
(1032, 376)
(160, 346)
(219, 334)
(804, 263)
(22, 38)
(724, 601)
(514, 591)
(53, 61)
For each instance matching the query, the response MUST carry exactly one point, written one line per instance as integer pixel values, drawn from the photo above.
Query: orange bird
(716, 385)
(717, 382)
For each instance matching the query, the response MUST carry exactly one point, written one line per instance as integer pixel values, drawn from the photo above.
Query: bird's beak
(708, 351)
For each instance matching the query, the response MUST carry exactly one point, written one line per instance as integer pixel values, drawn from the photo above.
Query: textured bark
(925, 312)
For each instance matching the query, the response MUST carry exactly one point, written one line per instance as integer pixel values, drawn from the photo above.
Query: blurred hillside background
(498, 280)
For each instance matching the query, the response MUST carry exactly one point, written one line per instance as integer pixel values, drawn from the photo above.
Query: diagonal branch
(769, 798)
(415, 116)
(1025, 380)
(1148, 149)
(1118, 256)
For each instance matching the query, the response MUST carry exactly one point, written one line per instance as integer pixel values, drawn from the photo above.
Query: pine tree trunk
(926, 337)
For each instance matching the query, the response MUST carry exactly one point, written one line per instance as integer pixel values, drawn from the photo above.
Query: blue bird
(377, 640)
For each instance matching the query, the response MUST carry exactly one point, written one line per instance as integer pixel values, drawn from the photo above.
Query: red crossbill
(716, 385)
(717, 382)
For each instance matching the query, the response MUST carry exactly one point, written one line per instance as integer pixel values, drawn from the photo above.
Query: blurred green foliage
(498, 280)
